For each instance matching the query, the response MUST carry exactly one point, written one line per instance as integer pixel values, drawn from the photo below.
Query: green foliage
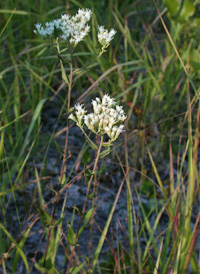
(71, 236)
(143, 71)
(185, 29)
(46, 267)
(77, 269)
(181, 11)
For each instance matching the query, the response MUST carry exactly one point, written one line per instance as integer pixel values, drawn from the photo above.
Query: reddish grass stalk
(63, 161)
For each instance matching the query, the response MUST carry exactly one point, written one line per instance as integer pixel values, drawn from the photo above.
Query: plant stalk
(85, 204)
(64, 155)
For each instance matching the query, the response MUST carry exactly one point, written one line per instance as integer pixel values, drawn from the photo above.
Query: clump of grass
(150, 68)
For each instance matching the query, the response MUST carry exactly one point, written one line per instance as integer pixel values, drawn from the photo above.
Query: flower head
(104, 37)
(72, 29)
(107, 117)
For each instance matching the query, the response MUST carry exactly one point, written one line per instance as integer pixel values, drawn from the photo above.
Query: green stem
(93, 172)
(85, 204)
(190, 190)
(191, 180)
(129, 207)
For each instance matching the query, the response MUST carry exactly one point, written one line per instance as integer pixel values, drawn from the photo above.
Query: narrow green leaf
(41, 268)
(21, 244)
(107, 144)
(64, 76)
(77, 269)
(91, 144)
(1, 144)
(32, 124)
(12, 12)
(17, 247)
(45, 218)
(70, 110)
(57, 222)
(15, 120)
(71, 235)
(63, 179)
(88, 215)
(91, 195)
(105, 152)
(105, 230)
(19, 12)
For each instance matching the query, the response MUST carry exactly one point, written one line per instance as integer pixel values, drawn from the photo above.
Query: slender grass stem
(64, 158)
(129, 207)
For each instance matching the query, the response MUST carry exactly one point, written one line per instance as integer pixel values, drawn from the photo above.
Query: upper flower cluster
(107, 117)
(73, 29)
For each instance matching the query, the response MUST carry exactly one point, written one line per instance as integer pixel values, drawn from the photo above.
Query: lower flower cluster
(107, 117)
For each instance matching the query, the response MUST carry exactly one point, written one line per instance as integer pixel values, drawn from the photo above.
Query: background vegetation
(152, 68)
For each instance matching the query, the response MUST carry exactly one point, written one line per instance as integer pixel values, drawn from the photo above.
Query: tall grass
(150, 68)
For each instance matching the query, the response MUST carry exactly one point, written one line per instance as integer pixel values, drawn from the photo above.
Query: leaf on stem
(71, 236)
(105, 152)
(45, 268)
(76, 269)
(45, 218)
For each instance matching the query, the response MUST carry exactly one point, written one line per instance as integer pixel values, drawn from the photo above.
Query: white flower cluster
(106, 118)
(80, 113)
(104, 37)
(71, 28)
(45, 31)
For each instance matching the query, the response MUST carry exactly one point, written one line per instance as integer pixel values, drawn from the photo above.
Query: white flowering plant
(107, 118)
(73, 29)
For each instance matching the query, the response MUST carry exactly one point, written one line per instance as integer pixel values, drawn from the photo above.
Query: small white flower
(79, 107)
(98, 100)
(104, 37)
(71, 116)
(107, 129)
(119, 130)
(88, 14)
(112, 120)
(119, 108)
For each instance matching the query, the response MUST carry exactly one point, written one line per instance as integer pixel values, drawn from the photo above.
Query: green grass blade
(21, 244)
(21, 253)
(105, 230)
(12, 12)
(32, 124)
